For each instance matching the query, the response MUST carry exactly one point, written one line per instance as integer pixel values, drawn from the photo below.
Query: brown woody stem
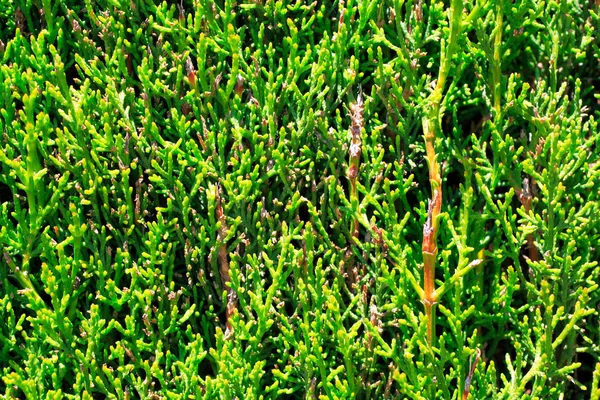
(431, 122)
(430, 231)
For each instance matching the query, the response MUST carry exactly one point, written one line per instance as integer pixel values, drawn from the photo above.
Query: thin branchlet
(431, 128)
(224, 265)
(467, 387)
(525, 197)
(430, 229)
(355, 151)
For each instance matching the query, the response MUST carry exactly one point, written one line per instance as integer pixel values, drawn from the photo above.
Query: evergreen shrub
(271, 199)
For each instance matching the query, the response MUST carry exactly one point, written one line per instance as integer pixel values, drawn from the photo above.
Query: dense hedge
(289, 199)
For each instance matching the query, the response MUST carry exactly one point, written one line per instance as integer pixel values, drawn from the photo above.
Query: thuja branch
(431, 129)
(23, 278)
(355, 150)
(224, 264)
(525, 193)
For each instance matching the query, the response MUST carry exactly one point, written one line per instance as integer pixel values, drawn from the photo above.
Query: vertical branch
(430, 229)
(431, 128)
(224, 264)
(429, 248)
(524, 194)
(355, 151)
(525, 198)
(496, 65)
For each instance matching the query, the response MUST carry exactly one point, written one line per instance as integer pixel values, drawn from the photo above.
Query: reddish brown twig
(430, 229)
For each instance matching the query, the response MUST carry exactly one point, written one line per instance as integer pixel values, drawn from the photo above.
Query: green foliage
(178, 221)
